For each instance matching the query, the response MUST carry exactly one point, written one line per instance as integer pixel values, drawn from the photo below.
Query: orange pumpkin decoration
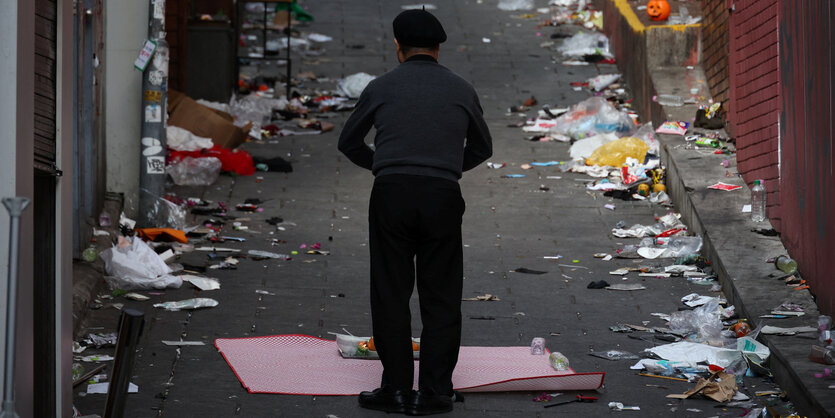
(658, 9)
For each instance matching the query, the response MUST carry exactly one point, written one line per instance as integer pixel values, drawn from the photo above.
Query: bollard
(130, 328)
(15, 206)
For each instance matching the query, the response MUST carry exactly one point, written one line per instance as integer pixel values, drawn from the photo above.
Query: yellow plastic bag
(615, 153)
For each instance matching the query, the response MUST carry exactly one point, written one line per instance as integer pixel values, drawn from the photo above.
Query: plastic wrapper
(646, 133)
(614, 355)
(164, 213)
(672, 247)
(133, 265)
(187, 304)
(353, 85)
(615, 153)
(602, 81)
(202, 283)
(255, 109)
(586, 43)
(583, 148)
(194, 171)
(511, 5)
(180, 139)
(701, 324)
(590, 117)
(354, 347)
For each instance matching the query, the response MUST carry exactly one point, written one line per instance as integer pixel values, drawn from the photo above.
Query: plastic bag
(510, 5)
(590, 117)
(583, 148)
(646, 133)
(615, 153)
(672, 247)
(194, 171)
(586, 43)
(164, 213)
(701, 324)
(181, 139)
(353, 85)
(133, 265)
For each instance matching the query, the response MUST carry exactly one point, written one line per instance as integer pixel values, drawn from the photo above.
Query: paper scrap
(102, 388)
(720, 387)
(182, 343)
(626, 286)
(724, 186)
(485, 297)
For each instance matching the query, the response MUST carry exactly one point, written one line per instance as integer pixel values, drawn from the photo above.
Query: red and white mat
(305, 365)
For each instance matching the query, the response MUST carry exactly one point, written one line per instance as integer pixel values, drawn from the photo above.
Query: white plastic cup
(538, 346)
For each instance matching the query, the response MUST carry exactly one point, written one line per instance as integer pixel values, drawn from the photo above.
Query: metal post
(15, 207)
(289, 35)
(130, 328)
(154, 110)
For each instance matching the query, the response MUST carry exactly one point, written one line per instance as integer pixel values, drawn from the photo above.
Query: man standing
(429, 128)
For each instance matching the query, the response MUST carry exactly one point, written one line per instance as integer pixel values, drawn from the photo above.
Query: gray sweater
(422, 113)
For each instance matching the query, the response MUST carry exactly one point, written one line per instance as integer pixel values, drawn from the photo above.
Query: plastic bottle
(104, 219)
(786, 264)
(90, 253)
(758, 201)
(669, 100)
(558, 361)
(822, 355)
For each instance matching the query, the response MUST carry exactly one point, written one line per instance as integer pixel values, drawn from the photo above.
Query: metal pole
(154, 110)
(130, 328)
(289, 35)
(15, 207)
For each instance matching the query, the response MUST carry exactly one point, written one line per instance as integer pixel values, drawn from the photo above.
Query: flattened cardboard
(204, 121)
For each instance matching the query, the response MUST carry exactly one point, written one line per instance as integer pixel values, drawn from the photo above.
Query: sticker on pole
(155, 165)
(153, 113)
(145, 55)
(152, 146)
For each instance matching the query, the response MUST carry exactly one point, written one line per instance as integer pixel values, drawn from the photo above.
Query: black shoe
(423, 403)
(385, 399)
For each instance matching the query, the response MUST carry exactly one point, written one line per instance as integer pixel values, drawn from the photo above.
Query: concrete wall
(126, 28)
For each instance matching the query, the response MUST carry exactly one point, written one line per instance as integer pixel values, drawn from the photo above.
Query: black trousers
(415, 232)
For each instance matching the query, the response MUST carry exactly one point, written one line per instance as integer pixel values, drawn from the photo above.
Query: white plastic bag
(353, 85)
(510, 5)
(194, 171)
(586, 43)
(180, 139)
(593, 116)
(137, 266)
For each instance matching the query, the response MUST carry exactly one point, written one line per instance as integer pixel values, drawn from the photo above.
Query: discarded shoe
(385, 399)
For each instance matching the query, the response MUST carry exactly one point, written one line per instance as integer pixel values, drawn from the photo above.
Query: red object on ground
(236, 161)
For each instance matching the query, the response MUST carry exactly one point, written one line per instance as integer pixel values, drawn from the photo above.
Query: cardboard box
(204, 121)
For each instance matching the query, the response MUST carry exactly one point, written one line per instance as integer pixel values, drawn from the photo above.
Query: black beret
(418, 28)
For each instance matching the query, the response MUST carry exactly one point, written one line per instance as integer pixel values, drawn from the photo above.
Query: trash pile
(608, 144)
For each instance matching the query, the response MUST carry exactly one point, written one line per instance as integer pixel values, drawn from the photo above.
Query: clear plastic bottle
(758, 201)
(785, 264)
(669, 100)
(558, 361)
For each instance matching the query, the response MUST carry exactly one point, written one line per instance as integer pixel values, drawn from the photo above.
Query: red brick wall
(715, 43)
(754, 93)
(807, 142)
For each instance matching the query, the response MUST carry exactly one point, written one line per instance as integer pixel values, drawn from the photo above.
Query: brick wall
(715, 38)
(754, 92)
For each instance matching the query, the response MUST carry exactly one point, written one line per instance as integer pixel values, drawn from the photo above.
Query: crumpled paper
(720, 387)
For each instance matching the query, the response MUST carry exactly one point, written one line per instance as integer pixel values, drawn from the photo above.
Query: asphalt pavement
(510, 223)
